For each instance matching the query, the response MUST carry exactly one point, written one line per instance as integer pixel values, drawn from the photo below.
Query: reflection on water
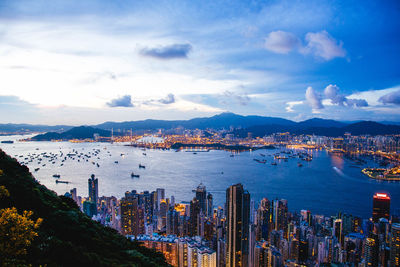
(316, 186)
(337, 161)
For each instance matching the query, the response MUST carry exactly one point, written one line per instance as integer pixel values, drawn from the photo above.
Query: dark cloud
(391, 98)
(123, 101)
(168, 52)
(169, 99)
(356, 103)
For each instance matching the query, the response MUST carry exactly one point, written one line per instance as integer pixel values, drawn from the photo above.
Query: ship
(7, 142)
(61, 182)
(299, 164)
(135, 175)
(37, 169)
(56, 175)
(274, 163)
(142, 166)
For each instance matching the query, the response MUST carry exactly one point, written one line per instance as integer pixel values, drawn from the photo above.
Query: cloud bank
(123, 101)
(332, 93)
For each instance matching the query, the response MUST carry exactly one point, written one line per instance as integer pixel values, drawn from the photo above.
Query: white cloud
(281, 42)
(291, 104)
(313, 99)
(323, 45)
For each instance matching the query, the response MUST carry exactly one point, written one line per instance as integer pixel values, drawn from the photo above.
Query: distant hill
(81, 132)
(318, 128)
(220, 121)
(67, 237)
(12, 128)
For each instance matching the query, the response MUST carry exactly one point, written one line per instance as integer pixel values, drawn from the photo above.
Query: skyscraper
(201, 195)
(237, 218)
(194, 216)
(381, 207)
(395, 245)
(132, 215)
(93, 189)
(209, 205)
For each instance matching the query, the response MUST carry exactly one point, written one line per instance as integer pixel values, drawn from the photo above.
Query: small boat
(194, 153)
(37, 169)
(262, 155)
(144, 154)
(61, 182)
(142, 166)
(231, 156)
(7, 142)
(56, 175)
(274, 163)
(116, 162)
(135, 175)
(299, 164)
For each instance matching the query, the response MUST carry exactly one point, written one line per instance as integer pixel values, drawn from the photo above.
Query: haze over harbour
(326, 185)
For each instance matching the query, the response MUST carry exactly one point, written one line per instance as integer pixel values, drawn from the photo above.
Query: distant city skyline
(73, 62)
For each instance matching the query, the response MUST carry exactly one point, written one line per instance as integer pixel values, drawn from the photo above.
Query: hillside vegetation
(66, 236)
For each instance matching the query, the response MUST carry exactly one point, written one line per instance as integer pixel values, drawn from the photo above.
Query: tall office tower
(280, 214)
(201, 195)
(194, 216)
(162, 215)
(160, 195)
(209, 205)
(93, 189)
(395, 245)
(381, 207)
(132, 216)
(237, 219)
(264, 218)
(371, 252)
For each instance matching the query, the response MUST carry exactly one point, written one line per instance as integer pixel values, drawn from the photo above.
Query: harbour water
(326, 185)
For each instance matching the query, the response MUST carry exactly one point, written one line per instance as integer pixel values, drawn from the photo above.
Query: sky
(86, 62)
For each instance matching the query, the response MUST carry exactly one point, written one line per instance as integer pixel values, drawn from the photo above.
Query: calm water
(326, 185)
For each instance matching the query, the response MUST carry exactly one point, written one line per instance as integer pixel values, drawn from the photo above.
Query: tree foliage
(16, 232)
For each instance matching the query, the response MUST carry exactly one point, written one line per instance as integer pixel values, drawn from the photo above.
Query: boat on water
(61, 182)
(260, 161)
(7, 142)
(135, 175)
(142, 166)
(274, 163)
(231, 156)
(262, 155)
(116, 162)
(299, 164)
(37, 169)
(56, 175)
(144, 154)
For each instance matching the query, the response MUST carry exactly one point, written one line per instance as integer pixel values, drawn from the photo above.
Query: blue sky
(86, 62)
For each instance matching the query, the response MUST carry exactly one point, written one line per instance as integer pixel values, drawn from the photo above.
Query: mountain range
(237, 124)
